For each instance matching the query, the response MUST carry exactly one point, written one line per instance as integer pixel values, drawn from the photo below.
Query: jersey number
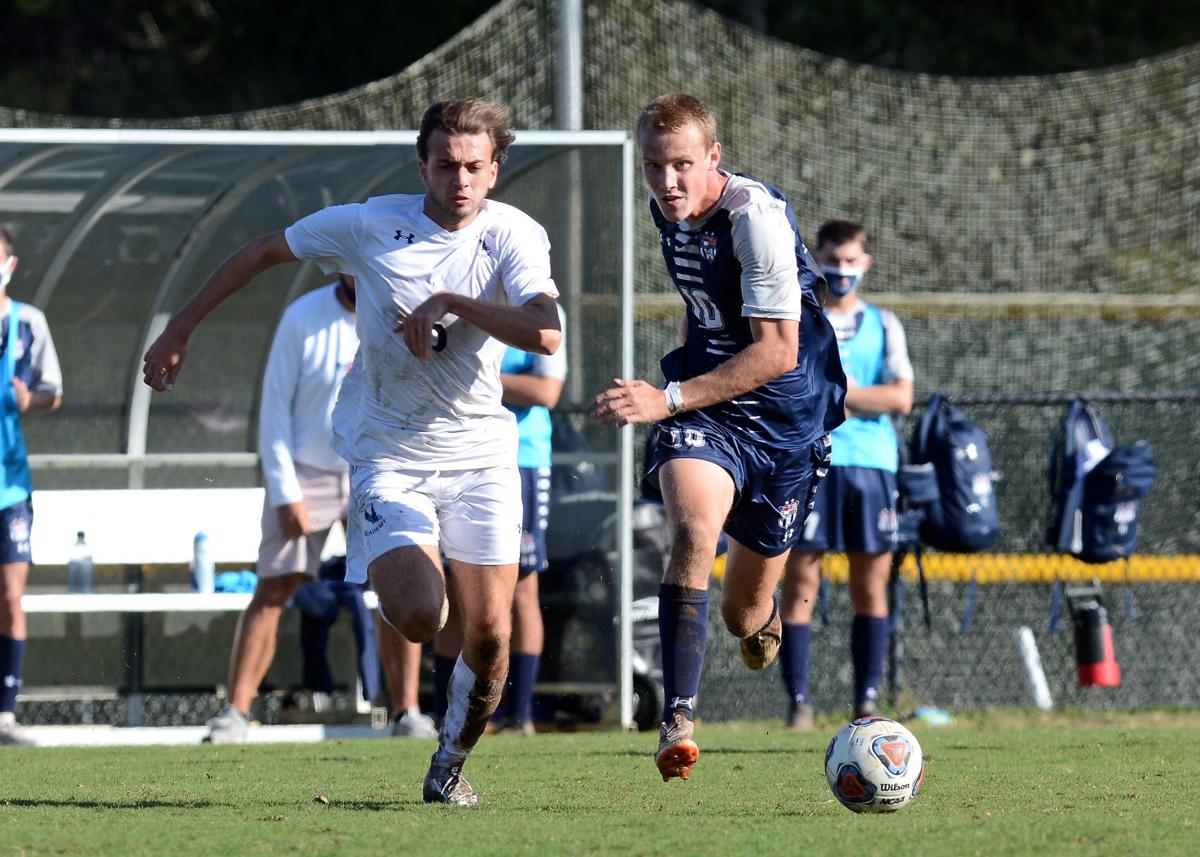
(703, 308)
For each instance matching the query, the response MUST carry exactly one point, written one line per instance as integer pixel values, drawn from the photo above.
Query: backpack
(1095, 489)
(963, 516)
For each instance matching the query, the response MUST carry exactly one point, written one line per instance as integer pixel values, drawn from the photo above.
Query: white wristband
(674, 398)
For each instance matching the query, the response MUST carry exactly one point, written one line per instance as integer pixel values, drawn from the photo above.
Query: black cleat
(446, 784)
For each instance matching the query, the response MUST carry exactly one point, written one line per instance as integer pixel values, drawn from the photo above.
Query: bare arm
(165, 357)
(532, 327)
(525, 391)
(894, 397)
(34, 401)
(773, 353)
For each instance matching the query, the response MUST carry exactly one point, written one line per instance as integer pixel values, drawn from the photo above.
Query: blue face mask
(841, 281)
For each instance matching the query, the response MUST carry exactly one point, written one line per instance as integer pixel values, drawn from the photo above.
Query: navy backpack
(957, 490)
(1095, 489)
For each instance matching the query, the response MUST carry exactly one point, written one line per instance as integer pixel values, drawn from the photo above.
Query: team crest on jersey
(788, 512)
(372, 517)
(708, 246)
(18, 531)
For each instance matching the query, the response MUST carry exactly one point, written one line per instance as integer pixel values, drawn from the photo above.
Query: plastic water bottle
(202, 564)
(81, 572)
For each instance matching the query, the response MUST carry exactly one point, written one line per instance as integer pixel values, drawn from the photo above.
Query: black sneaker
(446, 784)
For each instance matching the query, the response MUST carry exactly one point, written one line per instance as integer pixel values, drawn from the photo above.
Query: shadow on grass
(351, 805)
(116, 804)
(714, 751)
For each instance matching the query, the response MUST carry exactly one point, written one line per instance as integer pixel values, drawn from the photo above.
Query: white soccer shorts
(474, 515)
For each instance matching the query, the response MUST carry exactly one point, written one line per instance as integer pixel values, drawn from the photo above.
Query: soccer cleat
(446, 784)
(677, 751)
(228, 727)
(411, 723)
(510, 726)
(800, 718)
(760, 648)
(11, 735)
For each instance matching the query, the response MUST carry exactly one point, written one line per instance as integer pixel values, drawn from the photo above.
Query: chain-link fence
(968, 657)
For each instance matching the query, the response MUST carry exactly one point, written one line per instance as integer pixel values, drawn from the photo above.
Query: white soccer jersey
(443, 413)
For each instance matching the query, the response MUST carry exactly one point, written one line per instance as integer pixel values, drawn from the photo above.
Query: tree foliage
(163, 58)
(976, 37)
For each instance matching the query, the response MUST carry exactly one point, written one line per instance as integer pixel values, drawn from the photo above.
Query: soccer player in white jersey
(446, 280)
(744, 418)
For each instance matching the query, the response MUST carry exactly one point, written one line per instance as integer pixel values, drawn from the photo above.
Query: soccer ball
(874, 764)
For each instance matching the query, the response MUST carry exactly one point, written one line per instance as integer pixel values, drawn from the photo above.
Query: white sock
(470, 701)
(8, 718)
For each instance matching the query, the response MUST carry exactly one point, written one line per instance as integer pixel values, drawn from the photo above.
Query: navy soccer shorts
(775, 487)
(15, 524)
(855, 511)
(535, 497)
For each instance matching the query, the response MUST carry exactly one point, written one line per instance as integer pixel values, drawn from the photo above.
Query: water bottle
(81, 572)
(202, 564)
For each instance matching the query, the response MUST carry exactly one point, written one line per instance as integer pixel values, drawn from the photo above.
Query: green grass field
(1016, 784)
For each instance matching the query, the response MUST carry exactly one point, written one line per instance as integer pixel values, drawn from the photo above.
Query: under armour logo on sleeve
(407, 236)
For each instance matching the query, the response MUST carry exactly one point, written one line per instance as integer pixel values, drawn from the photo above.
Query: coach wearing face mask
(856, 503)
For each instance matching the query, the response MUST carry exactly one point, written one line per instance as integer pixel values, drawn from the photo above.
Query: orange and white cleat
(677, 751)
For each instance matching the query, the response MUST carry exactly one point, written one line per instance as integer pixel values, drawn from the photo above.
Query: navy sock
(683, 631)
(797, 639)
(12, 652)
(868, 645)
(522, 675)
(442, 670)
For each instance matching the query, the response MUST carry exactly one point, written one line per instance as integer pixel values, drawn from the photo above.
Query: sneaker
(411, 723)
(800, 718)
(446, 784)
(510, 726)
(867, 708)
(677, 752)
(11, 735)
(228, 727)
(761, 647)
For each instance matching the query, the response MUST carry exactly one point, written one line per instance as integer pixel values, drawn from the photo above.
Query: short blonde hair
(673, 112)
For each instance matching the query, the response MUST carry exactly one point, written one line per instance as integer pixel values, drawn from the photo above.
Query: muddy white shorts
(474, 515)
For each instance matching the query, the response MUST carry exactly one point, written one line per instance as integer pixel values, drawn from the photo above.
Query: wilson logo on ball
(893, 751)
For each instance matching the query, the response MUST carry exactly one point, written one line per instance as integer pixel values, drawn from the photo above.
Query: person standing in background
(30, 383)
(307, 487)
(856, 504)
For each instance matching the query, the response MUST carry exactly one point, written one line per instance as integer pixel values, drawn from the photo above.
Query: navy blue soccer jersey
(728, 269)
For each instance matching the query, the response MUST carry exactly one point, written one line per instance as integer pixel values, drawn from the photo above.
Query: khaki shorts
(327, 495)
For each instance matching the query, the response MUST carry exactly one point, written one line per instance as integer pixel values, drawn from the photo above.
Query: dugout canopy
(116, 229)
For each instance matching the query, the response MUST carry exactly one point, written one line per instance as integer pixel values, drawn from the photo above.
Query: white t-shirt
(443, 413)
(313, 348)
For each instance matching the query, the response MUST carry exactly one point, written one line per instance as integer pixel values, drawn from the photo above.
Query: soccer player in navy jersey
(743, 422)
(856, 504)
